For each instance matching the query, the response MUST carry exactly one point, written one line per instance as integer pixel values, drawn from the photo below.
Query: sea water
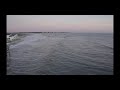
(62, 54)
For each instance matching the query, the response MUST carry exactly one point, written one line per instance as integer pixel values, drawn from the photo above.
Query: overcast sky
(60, 23)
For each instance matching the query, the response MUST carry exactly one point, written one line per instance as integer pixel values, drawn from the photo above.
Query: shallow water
(62, 54)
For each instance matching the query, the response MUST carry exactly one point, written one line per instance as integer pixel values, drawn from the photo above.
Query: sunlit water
(62, 54)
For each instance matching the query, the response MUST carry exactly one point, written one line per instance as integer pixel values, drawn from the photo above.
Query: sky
(60, 23)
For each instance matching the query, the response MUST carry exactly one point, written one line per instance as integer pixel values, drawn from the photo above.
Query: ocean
(62, 54)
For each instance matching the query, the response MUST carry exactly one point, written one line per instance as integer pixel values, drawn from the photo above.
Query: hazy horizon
(60, 23)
